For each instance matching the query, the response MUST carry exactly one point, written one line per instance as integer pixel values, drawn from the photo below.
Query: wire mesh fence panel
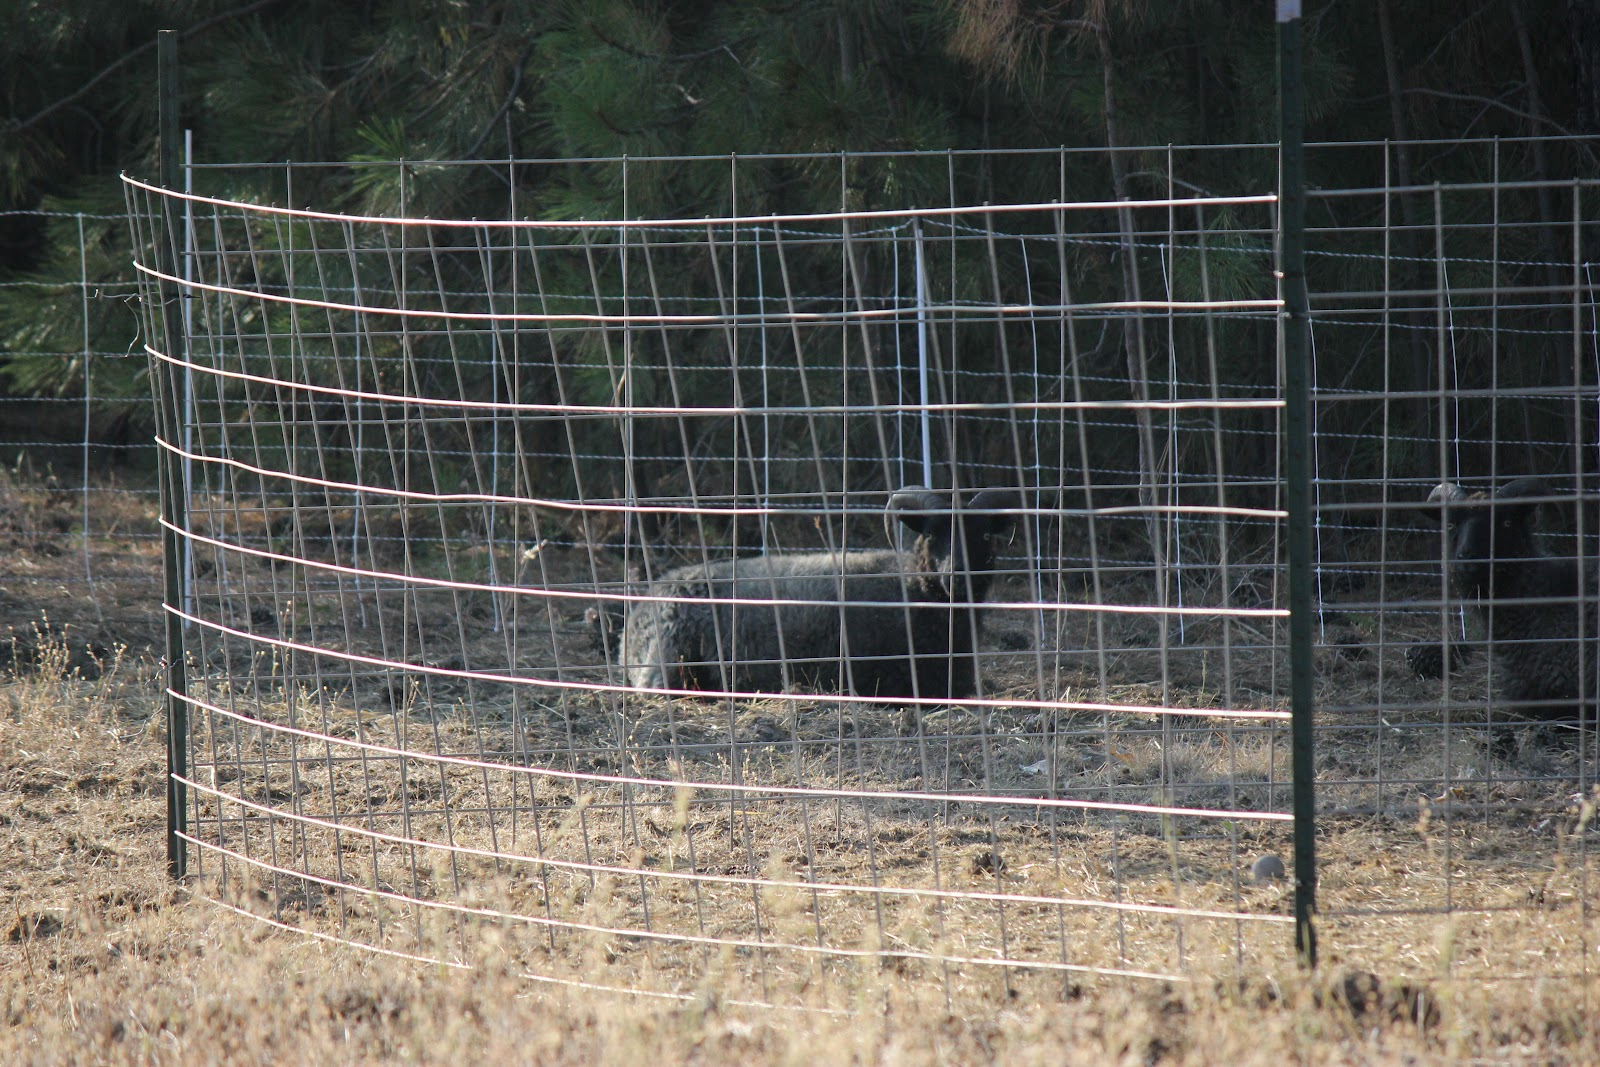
(76, 505)
(880, 572)
(1456, 358)
(778, 594)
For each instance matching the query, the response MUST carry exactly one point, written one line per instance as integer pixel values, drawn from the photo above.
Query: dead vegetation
(870, 923)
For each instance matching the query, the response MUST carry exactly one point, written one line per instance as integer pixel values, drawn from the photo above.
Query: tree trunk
(1583, 26)
(1546, 243)
(1411, 246)
(1133, 339)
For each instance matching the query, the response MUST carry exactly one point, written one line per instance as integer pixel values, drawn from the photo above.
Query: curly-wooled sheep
(1526, 599)
(875, 623)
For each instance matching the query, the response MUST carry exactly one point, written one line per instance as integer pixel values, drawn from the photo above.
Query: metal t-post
(169, 417)
(1295, 324)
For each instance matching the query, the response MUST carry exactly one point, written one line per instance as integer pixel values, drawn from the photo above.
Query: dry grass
(105, 960)
(1465, 898)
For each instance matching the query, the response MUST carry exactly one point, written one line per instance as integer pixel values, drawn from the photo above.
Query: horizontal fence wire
(555, 575)
(430, 465)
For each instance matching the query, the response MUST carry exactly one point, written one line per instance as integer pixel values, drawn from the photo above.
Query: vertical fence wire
(384, 764)
(440, 465)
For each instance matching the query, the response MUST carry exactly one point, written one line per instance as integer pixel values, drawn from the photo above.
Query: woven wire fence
(776, 596)
(1457, 356)
(76, 504)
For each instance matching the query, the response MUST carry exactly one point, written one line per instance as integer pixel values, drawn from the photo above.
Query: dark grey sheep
(1526, 599)
(875, 623)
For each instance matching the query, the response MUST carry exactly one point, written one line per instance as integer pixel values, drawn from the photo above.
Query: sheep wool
(874, 623)
(1527, 600)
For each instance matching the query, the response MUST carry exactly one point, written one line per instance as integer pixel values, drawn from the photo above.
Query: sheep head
(1489, 531)
(956, 542)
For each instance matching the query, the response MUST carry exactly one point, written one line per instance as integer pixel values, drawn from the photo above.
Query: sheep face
(1490, 538)
(956, 545)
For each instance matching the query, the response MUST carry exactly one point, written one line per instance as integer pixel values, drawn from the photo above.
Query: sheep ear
(996, 500)
(1519, 500)
(1524, 487)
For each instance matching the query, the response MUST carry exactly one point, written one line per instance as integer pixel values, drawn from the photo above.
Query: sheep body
(1525, 598)
(875, 623)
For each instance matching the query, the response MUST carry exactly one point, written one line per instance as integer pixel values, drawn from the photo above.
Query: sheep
(1524, 597)
(880, 623)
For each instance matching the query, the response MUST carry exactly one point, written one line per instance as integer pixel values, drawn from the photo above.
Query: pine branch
(86, 87)
(680, 57)
(1490, 102)
(505, 105)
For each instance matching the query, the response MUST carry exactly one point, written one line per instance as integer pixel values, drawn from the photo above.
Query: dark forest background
(382, 80)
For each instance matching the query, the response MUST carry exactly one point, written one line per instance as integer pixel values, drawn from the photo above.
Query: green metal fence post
(166, 378)
(1295, 324)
